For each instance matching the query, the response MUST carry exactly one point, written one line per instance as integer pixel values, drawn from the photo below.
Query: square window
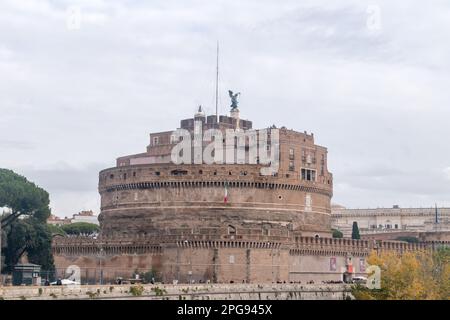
(291, 166)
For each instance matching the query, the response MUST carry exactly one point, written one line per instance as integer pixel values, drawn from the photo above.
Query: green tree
(80, 228)
(337, 233)
(22, 197)
(30, 234)
(30, 237)
(355, 231)
(54, 230)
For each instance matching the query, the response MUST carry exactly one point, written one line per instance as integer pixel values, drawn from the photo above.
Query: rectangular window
(155, 140)
(308, 175)
(291, 154)
(291, 166)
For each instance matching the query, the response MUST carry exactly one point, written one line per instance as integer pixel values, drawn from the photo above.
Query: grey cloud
(71, 188)
(62, 177)
(81, 98)
(6, 145)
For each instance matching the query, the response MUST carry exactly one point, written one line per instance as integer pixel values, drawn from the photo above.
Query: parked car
(64, 282)
(360, 280)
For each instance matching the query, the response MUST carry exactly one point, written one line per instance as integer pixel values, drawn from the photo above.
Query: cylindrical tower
(147, 194)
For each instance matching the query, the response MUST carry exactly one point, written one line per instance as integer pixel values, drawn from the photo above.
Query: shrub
(136, 291)
(159, 292)
(337, 233)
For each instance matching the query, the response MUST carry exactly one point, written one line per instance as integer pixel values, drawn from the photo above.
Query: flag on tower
(225, 198)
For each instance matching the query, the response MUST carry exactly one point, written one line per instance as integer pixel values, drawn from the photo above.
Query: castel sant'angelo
(149, 194)
(216, 200)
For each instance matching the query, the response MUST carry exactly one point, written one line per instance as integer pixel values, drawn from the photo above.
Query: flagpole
(436, 213)
(217, 84)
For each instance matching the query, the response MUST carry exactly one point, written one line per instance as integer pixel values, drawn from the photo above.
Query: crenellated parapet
(330, 247)
(146, 244)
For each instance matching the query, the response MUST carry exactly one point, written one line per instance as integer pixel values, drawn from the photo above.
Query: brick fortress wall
(250, 259)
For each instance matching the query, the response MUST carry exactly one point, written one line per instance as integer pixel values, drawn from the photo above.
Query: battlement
(148, 244)
(210, 122)
(231, 258)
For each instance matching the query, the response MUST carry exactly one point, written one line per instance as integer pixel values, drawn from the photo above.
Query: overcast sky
(371, 80)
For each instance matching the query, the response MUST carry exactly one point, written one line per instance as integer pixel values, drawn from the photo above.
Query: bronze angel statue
(234, 102)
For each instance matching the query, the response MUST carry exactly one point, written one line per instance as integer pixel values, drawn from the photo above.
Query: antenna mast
(217, 84)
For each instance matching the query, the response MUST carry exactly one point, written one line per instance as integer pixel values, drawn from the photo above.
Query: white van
(361, 280)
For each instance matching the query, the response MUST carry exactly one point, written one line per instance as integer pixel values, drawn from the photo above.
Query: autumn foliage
(416, 275)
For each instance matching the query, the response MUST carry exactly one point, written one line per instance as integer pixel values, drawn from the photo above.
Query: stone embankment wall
(181, 292)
